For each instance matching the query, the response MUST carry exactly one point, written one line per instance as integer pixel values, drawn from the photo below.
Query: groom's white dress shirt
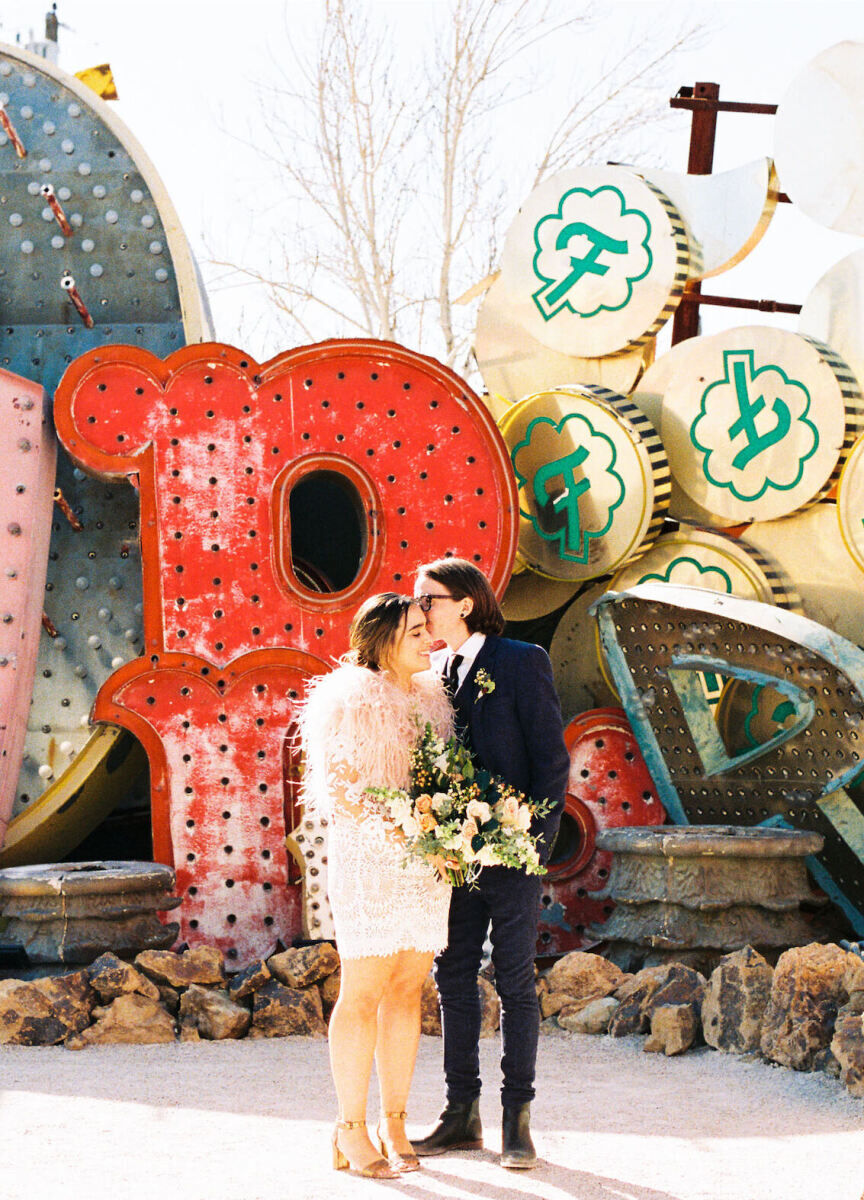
(440, 660)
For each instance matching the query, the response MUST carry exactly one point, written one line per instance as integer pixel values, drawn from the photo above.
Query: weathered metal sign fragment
(609, 787)
(92, 253)
(593, 480)
(595, 262)
(757, 422)
(274, 499)
(657, 640)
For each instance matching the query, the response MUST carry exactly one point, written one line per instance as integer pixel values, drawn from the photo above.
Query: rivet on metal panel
(11, 132)
(67, 283)
(55, 209)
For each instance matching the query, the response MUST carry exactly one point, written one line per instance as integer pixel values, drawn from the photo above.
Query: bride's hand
(439, 866)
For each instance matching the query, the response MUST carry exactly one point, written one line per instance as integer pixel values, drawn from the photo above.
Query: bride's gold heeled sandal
(401, 1162)
(379, 1168)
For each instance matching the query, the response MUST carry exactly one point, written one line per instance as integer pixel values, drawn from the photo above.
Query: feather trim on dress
(361, 720)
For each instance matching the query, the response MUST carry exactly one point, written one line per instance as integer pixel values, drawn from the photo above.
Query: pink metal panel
(28, 452)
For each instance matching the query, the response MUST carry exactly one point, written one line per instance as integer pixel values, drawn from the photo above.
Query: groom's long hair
(462, 578)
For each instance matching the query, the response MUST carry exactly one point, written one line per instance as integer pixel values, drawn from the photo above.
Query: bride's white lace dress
(359, 729)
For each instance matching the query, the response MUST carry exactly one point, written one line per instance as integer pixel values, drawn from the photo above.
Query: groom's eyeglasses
(425, 600)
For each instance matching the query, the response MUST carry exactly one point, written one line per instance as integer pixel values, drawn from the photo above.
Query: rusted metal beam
(704, 103)
(703, 132)
(696, 298)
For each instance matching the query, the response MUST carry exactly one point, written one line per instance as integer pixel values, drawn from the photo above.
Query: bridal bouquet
(464, 814)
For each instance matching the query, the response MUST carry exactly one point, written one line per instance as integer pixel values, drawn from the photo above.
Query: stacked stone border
(806, 1013)
(163, 996)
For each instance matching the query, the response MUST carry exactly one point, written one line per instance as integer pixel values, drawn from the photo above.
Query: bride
(360, 725)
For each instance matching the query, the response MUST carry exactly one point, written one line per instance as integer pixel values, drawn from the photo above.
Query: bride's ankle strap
(396, 1116)
(350, 1124)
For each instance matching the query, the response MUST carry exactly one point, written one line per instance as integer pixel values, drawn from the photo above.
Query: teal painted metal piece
(685, 676)
(658, 638)
(825, 880)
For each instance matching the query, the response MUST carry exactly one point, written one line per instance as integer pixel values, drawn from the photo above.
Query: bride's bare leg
(353, 1032)
(398, 1038)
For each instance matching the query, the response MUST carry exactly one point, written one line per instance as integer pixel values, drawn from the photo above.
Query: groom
(511, 720)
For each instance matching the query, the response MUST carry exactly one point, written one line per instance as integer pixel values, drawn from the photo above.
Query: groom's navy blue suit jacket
(515, 730)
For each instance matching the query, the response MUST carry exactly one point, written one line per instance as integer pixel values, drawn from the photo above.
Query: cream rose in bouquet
(464, 814)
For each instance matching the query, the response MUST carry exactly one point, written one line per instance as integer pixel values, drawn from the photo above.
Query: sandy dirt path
(251, 1121)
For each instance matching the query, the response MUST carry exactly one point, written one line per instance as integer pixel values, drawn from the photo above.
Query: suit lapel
(467, 695)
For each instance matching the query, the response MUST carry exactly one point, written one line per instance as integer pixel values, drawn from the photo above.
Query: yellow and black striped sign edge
(685, 251)
(853, 404)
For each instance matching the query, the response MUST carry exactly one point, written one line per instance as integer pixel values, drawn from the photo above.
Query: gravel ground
(251, 1120)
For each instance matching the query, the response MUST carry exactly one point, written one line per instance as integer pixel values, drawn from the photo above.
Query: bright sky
(186, 72)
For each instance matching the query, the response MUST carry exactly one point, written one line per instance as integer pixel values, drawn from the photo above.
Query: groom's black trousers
(510, 900)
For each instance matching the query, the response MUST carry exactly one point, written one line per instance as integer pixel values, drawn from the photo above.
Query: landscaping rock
(280, 1011)
(735, 1001)
(807, 991)
(169, 998)
(71, 999)
(855, 1003)
(593, 1018)
(490, 1008)
(551, 1028)
(298, 967)
(583, 977)
(553, 1002)
(671, 983)
(853, 983)
(683, 986)
(249, 981)
(112, 977)
(847, 1046)
(329, 989)
(215, 1014)
(673, 1029)
(853, 976)
(430, 1013)
(129, 1018)
(204, 965)
(27, 1017)
(826, 1061)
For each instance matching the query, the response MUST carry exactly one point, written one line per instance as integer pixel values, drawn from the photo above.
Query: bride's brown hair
(374, 628)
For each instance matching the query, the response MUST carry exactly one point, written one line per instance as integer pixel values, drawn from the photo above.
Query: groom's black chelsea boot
(458, 1128)
(517, 1149)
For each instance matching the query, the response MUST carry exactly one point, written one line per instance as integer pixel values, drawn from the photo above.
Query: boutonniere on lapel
(485, 684)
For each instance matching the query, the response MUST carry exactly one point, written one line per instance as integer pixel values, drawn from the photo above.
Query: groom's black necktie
(451, 678)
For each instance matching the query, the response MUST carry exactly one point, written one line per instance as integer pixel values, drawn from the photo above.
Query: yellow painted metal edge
(71, 808)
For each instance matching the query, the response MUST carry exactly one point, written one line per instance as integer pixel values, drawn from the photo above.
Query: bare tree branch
(399, 176)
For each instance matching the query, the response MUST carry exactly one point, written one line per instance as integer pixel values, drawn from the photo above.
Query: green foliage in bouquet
(462, 813)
